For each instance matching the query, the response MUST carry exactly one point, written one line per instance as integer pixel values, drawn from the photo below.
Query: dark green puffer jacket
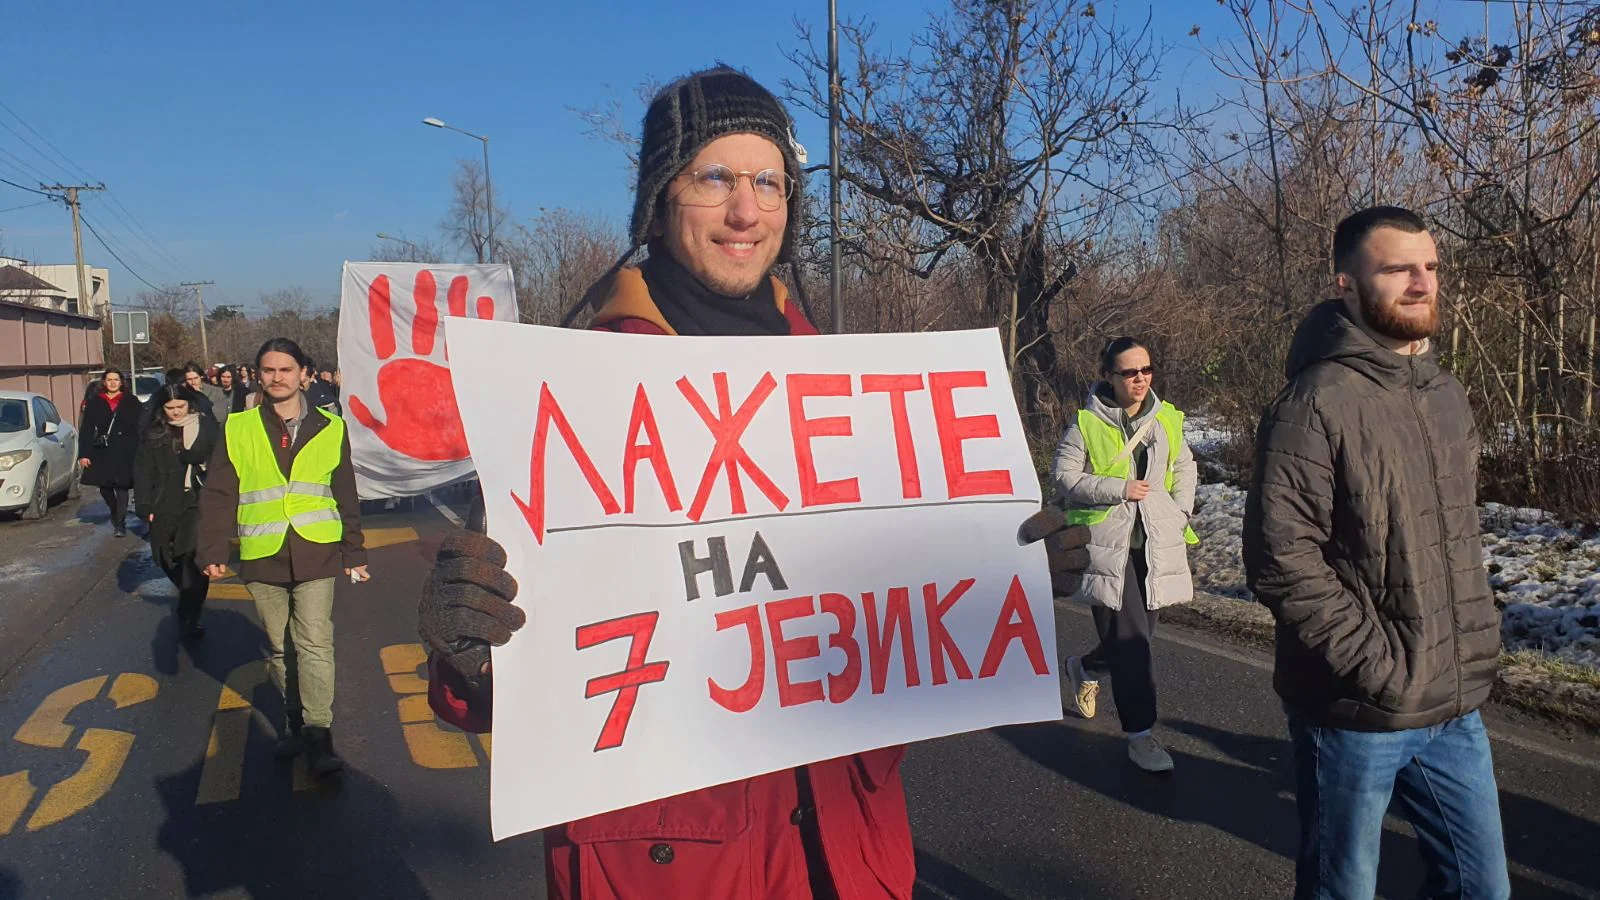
(1361, 535)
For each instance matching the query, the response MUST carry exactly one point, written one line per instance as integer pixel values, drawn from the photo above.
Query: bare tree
(1011, 131)
(292, 302)
(466, 224)
(606, 123)
(557, 256)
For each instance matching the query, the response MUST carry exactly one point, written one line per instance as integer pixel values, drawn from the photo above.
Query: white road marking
(446, 511)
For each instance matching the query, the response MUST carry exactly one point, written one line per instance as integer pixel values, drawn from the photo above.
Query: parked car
(38, 454)
(146, 382)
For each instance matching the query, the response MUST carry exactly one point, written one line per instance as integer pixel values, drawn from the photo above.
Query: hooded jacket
(761, 838)
(1361, 535)
(1161, 516)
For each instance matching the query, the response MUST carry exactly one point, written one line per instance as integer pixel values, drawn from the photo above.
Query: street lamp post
(488, 188)
(389, 237)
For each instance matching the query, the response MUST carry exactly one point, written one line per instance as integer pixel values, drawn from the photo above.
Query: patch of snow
(1205, 435)
(1545, 575)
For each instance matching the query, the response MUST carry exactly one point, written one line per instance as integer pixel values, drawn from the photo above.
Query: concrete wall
(49, 353)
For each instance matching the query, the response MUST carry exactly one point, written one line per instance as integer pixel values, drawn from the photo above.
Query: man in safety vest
(281, 480)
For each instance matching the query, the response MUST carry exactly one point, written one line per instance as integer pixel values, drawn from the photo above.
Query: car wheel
(40, 503)
(75, 482)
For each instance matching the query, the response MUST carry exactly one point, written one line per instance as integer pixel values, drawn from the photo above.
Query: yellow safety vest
(269, 504)
(1104, 441)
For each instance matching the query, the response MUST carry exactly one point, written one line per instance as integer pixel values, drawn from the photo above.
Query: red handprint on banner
(415, 393)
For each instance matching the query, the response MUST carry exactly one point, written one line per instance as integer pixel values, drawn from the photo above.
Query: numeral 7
(641, 627)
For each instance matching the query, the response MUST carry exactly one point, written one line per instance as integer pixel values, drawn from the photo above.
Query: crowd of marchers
(1360, 535)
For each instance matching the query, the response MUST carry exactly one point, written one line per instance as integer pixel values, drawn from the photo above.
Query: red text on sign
(1015, 624)
(625, 684)
(732, 463)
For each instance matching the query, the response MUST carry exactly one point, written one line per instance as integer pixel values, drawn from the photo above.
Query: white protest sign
(739, 555)
(399, 408)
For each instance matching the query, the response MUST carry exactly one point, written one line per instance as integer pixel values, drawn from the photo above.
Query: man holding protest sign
(718, 204)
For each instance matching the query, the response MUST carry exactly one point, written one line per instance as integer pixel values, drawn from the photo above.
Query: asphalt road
(134, 766)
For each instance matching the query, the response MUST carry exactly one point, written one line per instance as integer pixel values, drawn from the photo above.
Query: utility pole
(85, 302)
(205, 348)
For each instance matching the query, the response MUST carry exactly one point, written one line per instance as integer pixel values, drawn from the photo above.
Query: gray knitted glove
(466, 602)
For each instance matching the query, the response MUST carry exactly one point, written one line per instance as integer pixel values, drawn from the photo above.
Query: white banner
(399, 407)
(739, 555)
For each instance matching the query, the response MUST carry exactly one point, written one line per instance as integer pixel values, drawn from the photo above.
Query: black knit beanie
(695, 110)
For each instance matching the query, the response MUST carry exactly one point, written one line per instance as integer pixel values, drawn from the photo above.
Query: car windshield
(13, 416)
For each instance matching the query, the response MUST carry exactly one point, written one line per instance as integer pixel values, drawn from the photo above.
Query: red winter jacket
(739, 841)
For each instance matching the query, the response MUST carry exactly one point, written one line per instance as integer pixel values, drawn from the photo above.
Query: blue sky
(261, 145)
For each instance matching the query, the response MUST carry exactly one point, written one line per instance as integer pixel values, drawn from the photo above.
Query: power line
(87, 224)
(27, 143)
(138, 257)
(24, 166)
(24, 188)
(25, 206)
(144, 232)
(134, 226)
(62, 156)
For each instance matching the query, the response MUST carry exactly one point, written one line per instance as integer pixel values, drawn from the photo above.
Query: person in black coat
(168, 472)
(109, 441)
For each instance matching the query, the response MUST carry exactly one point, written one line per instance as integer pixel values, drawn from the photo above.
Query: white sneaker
(1085, 690)
(1148, 754)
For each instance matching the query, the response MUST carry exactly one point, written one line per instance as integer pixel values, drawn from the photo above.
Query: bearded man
(1361, 535)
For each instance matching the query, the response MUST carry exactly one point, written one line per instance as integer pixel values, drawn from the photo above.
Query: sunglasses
(1131, 374)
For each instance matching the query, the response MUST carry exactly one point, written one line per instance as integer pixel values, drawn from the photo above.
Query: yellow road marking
(485, 740)
(131, 688)
(107, 750)
(384, 537)
(16, 792)
(223, 770)
(430, 746)
(48, 727)
(233, 591)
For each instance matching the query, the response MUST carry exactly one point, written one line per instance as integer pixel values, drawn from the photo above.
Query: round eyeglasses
(712, 185)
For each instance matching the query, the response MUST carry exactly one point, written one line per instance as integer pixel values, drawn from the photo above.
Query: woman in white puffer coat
(1124, 469)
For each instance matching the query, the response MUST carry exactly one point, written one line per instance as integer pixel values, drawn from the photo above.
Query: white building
(64, 281)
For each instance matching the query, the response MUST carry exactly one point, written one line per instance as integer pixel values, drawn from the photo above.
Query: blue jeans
(1441, 778)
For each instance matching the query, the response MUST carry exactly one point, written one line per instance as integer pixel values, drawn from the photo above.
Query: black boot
(291, 739)
(191, 629)
(321, 761)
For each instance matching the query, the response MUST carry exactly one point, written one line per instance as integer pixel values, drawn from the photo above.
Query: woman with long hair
(109, 438)
(169, 470)
(1124, 469)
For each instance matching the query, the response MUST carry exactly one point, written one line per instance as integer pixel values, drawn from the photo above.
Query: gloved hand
(1066, 546)
(466, 603)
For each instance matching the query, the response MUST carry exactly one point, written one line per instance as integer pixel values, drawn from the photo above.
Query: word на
(730, 461)
(1015, 624)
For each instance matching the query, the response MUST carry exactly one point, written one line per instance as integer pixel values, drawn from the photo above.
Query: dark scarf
(693, 309)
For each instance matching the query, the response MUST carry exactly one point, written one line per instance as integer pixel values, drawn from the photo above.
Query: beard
(1397, 320)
